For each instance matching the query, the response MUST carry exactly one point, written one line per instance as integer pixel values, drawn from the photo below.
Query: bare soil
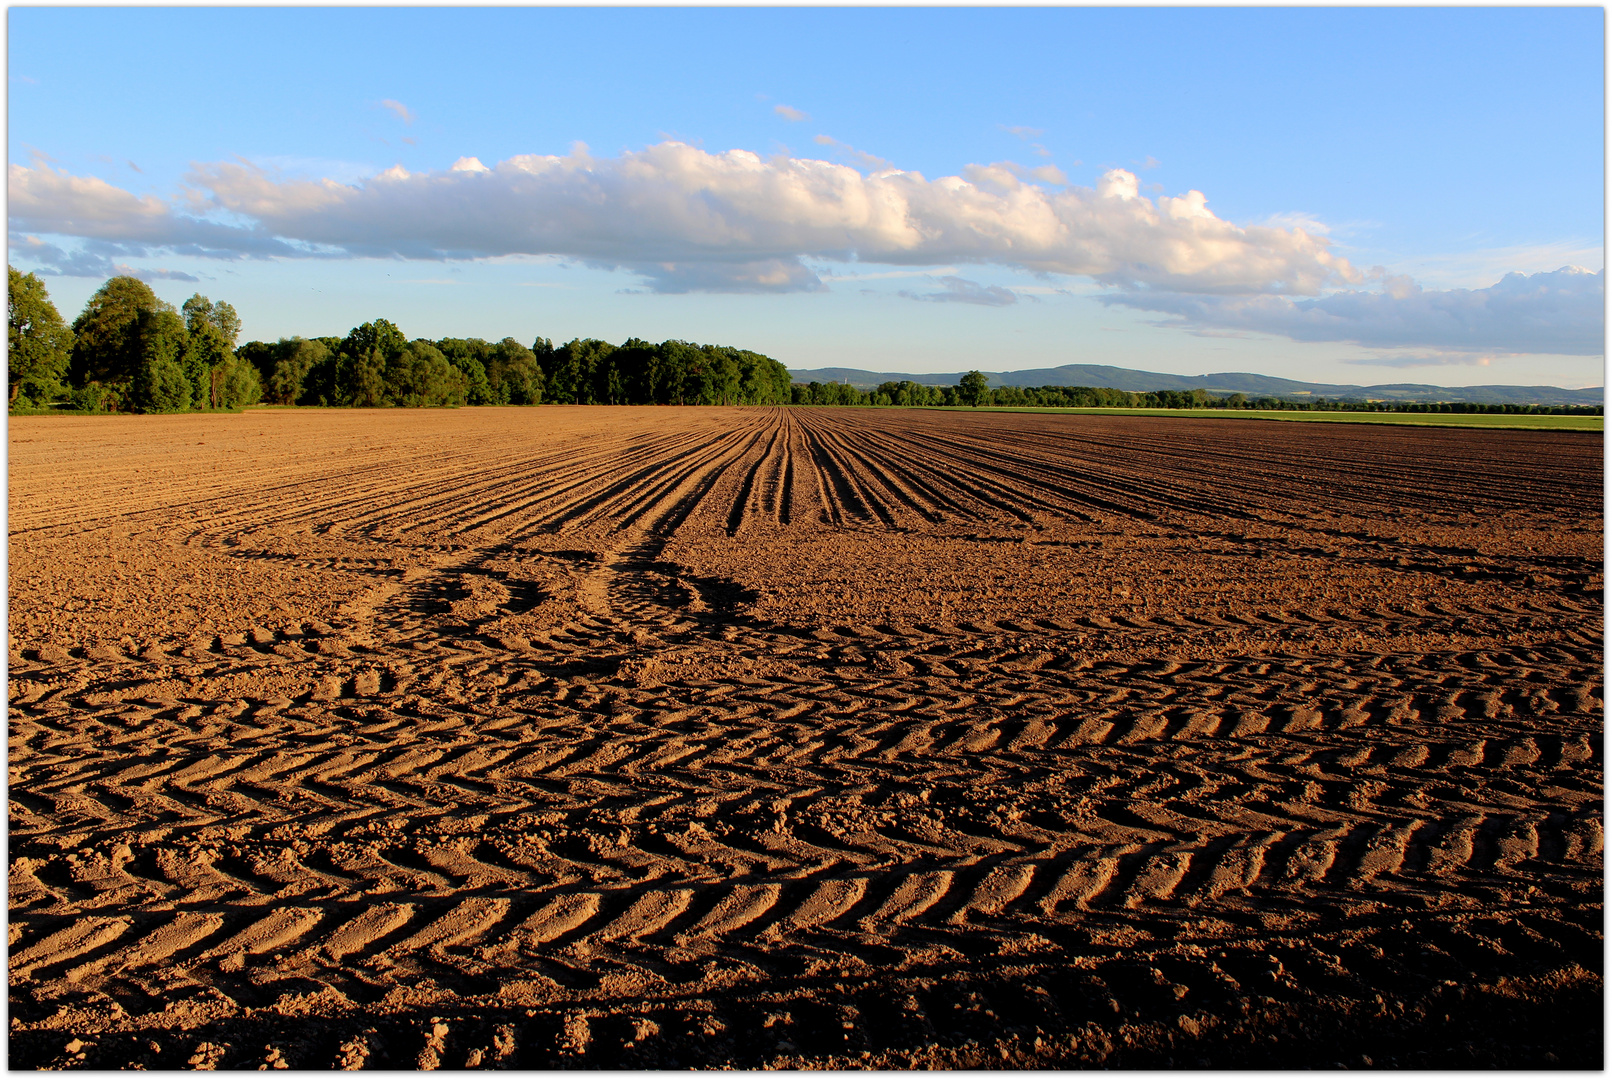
(624, 738)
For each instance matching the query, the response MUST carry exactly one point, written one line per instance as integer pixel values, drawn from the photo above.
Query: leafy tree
(161, 382)
(362, 361)
(421, 376)
(106, 334)
(199, 310)
(39, 344)
(469, 356)
(297, 358)
(319, 384)
(724, 375)
(514, 374)
(92, 397)
(162, 387)
(205, 358)
(972, 388)
(238, 384)
(284, 366)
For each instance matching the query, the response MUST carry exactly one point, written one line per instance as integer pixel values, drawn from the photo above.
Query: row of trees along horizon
(129, 351)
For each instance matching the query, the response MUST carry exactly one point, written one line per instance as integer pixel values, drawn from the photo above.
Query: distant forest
(129, 351)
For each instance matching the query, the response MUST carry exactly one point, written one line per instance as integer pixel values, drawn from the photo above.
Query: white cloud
(43, 199)
(691, 219)
(1025, 133)
(794, 116)
(1049, 174)
(402, 110)
(467, 164)
(1561, 312)
(962, 291)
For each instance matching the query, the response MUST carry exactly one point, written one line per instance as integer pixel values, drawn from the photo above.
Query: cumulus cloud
(724, 220)
(962, 291)
(688, 220)
(794, 116)
(402, 110)
(1560, 311)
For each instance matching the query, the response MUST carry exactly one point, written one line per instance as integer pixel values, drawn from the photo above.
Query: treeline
(972, 390)
(126, 350)
(130, 351)
(376, 365)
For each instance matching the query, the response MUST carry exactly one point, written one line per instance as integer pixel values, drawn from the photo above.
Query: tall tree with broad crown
(38, 342)
(106, 334)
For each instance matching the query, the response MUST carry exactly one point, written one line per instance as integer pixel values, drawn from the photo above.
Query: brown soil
(573, 737)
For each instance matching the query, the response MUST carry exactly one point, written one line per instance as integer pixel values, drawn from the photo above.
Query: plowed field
(623, 738)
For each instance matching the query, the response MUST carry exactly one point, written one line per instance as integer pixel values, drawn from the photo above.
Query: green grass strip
(1514, 421)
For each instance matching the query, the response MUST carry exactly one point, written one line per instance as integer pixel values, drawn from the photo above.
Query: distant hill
(1119, 378)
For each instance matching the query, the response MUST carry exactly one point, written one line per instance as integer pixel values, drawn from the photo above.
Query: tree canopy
(38, 343)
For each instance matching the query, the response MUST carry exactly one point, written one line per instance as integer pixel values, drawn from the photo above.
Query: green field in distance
(1469, 420)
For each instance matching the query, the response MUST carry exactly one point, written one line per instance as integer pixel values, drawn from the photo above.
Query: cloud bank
(688, 220)
(691, 219)
(1560, 311)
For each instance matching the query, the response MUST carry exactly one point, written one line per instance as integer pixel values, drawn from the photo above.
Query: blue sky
(913, 189)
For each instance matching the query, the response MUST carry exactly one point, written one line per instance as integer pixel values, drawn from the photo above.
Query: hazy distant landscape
(1221, 385)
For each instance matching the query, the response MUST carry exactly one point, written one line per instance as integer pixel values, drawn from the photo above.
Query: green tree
(421, 376)
(161, 383)
(284, 366)
(514, 374)
(469, 356)
(106, 334)
(319, 384)
(362, 361)
(725, 378)
(238, 384)
(39, 344)
(205, 358)
(972, 388)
